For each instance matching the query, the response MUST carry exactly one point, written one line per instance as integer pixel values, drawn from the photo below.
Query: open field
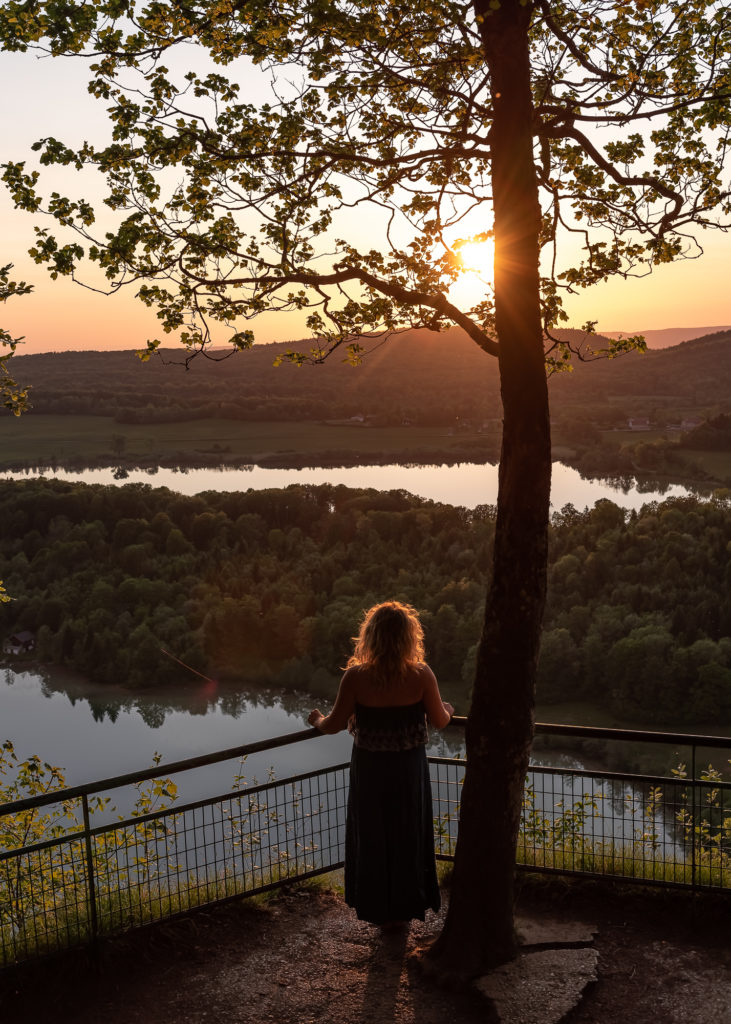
(715, 464)
(85, 441)
(33, 438)
(635, 436)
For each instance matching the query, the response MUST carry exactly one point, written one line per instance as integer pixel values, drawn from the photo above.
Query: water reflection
(466, 483)
(94, 732)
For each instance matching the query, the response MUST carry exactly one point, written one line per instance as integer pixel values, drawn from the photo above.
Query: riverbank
(87, 442)
(303, 957)
(38, 442)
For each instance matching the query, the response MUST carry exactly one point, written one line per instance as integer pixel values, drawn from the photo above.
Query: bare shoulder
(421, 681)
(350, 675)
(424, 673)
(353, 677)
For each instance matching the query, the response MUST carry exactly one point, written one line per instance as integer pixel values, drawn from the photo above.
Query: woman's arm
(438, 712)
(343, 708)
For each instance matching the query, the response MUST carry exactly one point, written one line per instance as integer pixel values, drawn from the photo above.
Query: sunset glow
(59, 315)
(478, 258)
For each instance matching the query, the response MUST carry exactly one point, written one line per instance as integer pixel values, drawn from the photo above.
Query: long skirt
(390, 868)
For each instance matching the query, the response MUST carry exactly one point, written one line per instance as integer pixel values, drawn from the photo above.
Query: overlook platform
(593, 950)
(595, 954)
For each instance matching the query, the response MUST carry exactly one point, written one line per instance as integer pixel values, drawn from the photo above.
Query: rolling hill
(417, 377)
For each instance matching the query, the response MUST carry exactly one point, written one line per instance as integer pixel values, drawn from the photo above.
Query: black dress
(390, 869)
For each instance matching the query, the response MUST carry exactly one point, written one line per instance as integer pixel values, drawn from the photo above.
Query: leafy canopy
(333, 157)
(12, 395)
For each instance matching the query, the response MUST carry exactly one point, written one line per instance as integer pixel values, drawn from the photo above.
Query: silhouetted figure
(386, 697)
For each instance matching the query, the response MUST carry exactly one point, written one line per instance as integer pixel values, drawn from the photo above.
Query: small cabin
(638, 423)
(691, 423)
(20, 643)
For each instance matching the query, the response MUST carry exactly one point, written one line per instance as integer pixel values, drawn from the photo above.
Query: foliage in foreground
(147, 863)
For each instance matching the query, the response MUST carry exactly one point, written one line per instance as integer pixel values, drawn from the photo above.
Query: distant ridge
(418, 377)
(668, 336)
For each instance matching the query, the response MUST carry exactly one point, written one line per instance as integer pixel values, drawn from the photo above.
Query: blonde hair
(390, 639)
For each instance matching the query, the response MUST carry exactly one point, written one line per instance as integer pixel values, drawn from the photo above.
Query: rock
(539, 931)
(540, 987)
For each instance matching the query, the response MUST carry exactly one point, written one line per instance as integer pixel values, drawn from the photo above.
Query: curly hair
(390, 639)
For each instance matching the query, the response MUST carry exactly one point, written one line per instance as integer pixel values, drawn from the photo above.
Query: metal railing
(672, 830)
(75, 880)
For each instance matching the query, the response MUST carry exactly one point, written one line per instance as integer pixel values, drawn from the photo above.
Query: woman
(386, 696)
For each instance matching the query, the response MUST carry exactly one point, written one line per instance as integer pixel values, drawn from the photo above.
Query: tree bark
(479, 931)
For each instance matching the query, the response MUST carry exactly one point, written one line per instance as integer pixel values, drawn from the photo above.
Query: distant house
(691, 423)
(359, 420)
(638, 423)
(20, 643)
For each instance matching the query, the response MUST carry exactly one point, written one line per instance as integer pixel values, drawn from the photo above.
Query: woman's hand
(448, 707)
(315, 717)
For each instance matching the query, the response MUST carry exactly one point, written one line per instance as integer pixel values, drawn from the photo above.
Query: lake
(95, 732)
(466, 483)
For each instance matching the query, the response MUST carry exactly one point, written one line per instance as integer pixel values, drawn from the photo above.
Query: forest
(268, 586)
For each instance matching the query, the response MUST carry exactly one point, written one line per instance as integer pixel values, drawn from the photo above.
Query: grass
(35, 438)
(619, 861)
(61, 925)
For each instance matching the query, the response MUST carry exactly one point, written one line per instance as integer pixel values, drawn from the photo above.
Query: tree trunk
(478, 932)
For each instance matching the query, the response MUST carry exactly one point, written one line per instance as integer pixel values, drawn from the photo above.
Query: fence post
(90, 869)
(695, 832)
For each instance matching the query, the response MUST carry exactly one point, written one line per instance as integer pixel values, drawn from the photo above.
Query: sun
(478, 258)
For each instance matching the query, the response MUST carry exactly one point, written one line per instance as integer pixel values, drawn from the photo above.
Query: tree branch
(570, 132)
(407, 296)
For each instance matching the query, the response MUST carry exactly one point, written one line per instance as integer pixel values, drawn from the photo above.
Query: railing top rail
(144, 774)
(587, 732)
(680, 739)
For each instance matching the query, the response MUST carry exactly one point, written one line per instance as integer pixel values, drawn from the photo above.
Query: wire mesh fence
(111, 878)
(65, 881)
(674, 831)
(650, 829)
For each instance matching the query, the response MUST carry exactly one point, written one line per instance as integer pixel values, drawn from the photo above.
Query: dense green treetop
(268, 586)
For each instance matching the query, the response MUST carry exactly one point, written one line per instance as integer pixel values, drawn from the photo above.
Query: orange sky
(61, 315)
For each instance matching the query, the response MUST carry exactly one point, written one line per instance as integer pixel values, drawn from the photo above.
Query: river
(95, 732)
(466, 483)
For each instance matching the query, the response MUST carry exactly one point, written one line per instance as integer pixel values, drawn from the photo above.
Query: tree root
(450, 971)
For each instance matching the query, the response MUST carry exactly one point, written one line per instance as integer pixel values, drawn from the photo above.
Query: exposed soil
(303, 957)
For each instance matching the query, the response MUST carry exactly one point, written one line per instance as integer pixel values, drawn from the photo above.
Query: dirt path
(303, 958)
